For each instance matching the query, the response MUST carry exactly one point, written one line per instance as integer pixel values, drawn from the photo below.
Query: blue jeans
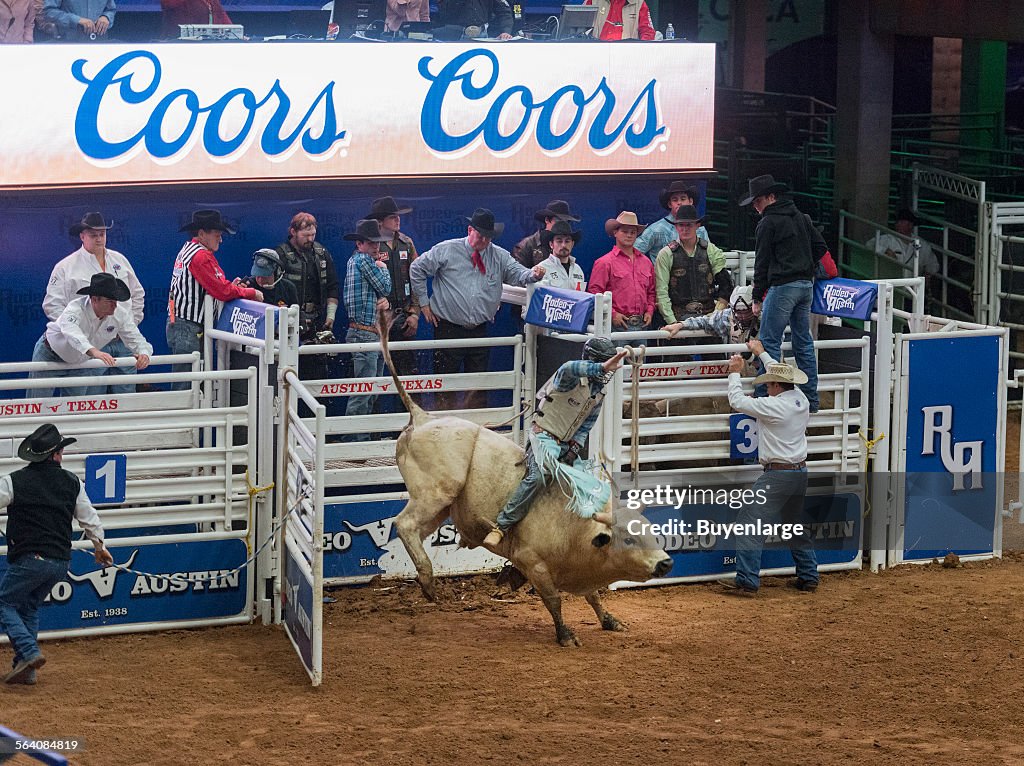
(183, 337)
(790, 304)
(365, 364)
(518, 504)
(784, 492)
(25, 586)
(43, 353)
(116, 348)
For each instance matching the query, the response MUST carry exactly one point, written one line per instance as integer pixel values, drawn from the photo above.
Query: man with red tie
(468, 274)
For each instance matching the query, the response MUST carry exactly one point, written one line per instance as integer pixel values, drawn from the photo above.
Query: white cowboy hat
(780, 372)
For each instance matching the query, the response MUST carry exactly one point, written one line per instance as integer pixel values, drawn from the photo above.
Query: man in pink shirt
(628, 274)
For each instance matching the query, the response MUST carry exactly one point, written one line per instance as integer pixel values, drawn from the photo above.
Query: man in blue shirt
(663, 231)
(80, 19)
(567, 408)
(367, 285)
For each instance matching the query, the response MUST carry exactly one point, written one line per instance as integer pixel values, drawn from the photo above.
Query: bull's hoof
(566, 637)
(610, 623)
(511, 577)
(429, 588)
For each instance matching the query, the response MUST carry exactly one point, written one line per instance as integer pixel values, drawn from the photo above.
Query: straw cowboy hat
(781, 372)
(625, 218)
(42, 443)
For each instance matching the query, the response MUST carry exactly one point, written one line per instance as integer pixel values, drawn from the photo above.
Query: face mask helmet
(598, 349)
(744, 324)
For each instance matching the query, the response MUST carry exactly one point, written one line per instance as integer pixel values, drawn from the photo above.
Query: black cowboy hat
(687, 214)
(758, 187)
(556, 208)
(106, 285)
(906, 214)
(210, 220)
(559, 228)
(382, 207)
(368, 229)
(676, 187)
(483, 221)
(42, 443)
(90, 221)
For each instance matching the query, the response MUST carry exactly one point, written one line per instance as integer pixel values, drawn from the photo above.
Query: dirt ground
(916, 665)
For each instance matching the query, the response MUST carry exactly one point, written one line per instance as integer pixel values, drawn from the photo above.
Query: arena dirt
(918, 665)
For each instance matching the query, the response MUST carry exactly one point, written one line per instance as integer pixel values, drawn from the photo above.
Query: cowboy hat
(210, 220)
(483, 221)
(90, 221)
(556, 208)
(382, 207)
(686, 214)
(625, 218)
(761, 185)
(367, 230)
(559, 228)
(104, 285)
(42, 443)
(781, 372)
(676, 187)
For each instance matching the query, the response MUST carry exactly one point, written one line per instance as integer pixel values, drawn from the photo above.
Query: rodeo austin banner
(118, 114)
(559, 309)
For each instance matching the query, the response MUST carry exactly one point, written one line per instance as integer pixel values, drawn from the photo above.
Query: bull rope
(869, 445)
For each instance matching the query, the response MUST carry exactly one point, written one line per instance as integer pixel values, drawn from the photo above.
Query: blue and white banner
(360, 542)
(559, 309)
(297, 608)
(951, 491)
(848, 298)
(202, 585)
(244, 318)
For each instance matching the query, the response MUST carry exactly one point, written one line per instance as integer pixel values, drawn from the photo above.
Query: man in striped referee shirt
(196, 273)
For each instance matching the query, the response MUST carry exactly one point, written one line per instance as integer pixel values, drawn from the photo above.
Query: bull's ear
(601, 539)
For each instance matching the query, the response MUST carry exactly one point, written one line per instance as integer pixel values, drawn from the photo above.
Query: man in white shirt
(782, 449)
(74, 272)
(901, 247)
(561, 269)
(84, 328)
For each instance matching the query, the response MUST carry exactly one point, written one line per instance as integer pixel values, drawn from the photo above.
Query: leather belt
(365, 327)
(633, 317)
(776, 466)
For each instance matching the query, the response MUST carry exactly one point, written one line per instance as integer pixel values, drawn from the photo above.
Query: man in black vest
(404, 315)
(690, 273)
(41, 499)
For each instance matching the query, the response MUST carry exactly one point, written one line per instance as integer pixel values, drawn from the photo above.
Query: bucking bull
(456, 469)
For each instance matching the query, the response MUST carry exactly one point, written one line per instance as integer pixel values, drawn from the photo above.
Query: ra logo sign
(960, 458)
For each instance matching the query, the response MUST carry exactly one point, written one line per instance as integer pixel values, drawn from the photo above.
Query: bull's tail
(415, 411)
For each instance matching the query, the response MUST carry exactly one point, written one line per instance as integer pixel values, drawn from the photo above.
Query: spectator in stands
(690, 274)
(561, 269)
(401, 12)
(267, 276)
(473, 15)
(623, 20)
(76, 271)
(77, 20)
(197, 274)
(86, 326)
(787, 248)
(663, 231)
(530, 251)
(400, 251)
(309, 266)
(468, 274)
(901, 248)
(17, 21)
(627, 273)
(177, 12)
(40, 500)
(367, 286)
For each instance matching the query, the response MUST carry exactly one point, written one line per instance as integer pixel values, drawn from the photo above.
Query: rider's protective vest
(561, 413)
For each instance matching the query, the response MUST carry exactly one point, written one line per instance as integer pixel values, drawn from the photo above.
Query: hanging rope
(869, 445)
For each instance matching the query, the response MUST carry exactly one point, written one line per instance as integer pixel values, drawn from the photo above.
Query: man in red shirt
(190, 12)
(623, 19)
(628, 274)
(197, 274)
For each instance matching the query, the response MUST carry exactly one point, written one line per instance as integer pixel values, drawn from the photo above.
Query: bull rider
(567, 408)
